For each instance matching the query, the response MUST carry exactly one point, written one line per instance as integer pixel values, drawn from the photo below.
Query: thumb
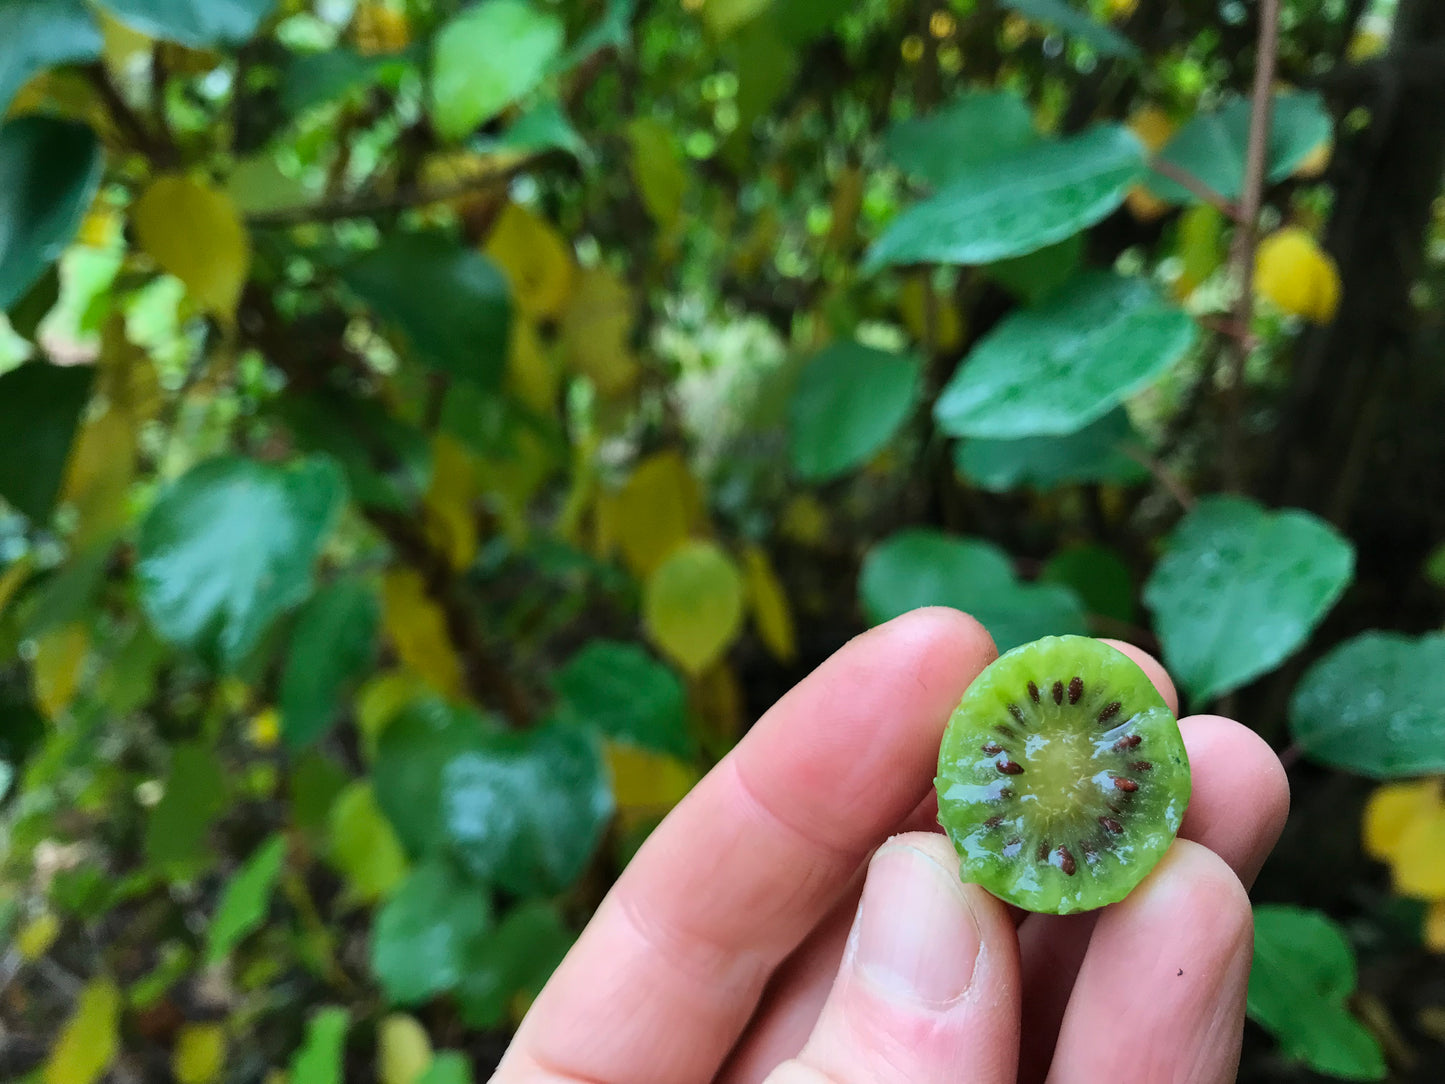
(928, 988)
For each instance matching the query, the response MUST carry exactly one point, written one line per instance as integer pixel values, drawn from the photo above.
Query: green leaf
(921, 567)
(1034, 275)
(519, 956)
(626, 694)
(1372, 706)
(979, 126)
(1302, 975)
(485, 59)
(40, 406)
(363, 846)
(332, 645)
(195, 794)
(1098, 575)
(1077, 24)
(49, 171)
(319, 1060)
(613, 30)
(41, 34)
(1212, 147)
(386, 459)
(26, 314)
(230, 546)
(246, 899)
(1040, 193)
(422, 939)
(312, 79)
(1052, 369)
(849, 402)
(448, 1067)
(522, 810)
(724, 16)
(316, 782)
(1091, 455)
(1239, 589)
(401, 281)
(197, 23)
(544, 127)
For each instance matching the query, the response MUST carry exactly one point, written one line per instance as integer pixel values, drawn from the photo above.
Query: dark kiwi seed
(1058, 722)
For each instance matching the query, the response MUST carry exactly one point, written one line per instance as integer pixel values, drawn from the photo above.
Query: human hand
(729, 948)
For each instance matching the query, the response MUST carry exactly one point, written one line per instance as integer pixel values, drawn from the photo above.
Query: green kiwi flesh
(1062, 777)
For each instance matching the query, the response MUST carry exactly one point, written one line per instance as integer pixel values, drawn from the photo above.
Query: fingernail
(916, 939)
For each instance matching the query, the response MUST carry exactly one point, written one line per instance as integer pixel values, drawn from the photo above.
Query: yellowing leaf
(531, 373)
(363, 847)
(1390, 811)
(451, 521)
(36, 936)
(658, 170)
(692, 605)
(657, 510)
(264, 730)
(15, 576)
(1297, 275)
(403, 1050)
(535, 258)
(60, 656)
(912, 300)
(1434, 932)
(597, 332)
(379, 28)
(1122, 9)
(98, 475)
(1419, 864)
(193, 232)
(769, 603)
(1201, 247)
(1316, 162)
(200, 1053)
(88, 1044)
(417, 628)
(645, 783)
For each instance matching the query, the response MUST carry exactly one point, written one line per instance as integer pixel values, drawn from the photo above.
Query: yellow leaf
(658, 170)
(657, 510)
(64, 94)
(769, 603)
(125, 51)
(88, 1044)
(37, 935)
(59, 661)
(1152, 125)
(532, 375)
(1419, 863)
(98, 475)
(264, 730)
(417, 628)
(194, 232)
(1201, 247)
(200, 1053)
(1390, 811)
(947, 333)
(362, 846)
(378, 28)
(1297, 275)
(1367, 43)
(536, 260)
(645, 783)
(451, 521)
(13, 578)
(692, 605)
(403, 1050)
(1434, 931)
(597, 332)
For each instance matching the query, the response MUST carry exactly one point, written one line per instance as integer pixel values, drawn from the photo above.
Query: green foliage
(39, 34)
(979, 126)
(425, 936)
(319, 1058)
(626, 694)
(244, 903)
(471, 80)
(332, 644)
(849, 402)
(1095, 453)
(197, 23)
(40, 406)
(1060, 14)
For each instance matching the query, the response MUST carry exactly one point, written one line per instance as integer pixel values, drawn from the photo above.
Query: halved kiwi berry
(1062, 778)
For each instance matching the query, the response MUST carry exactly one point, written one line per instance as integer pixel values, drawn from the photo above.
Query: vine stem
(1246, 238)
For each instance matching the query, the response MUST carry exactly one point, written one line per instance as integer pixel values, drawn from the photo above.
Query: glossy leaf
(921, 567)
(1098, 575)
(1239, 589)
(401, 281)
(979, 126)
(1037, 195)
(1372, 706)
(1052, 369)
(692, 605)
(197, 23)
(523, 810)
(486, 58)
(626, 694)
(246, 899)
(40, 34)
(1076, 23)
(849, 402)
(519, 956)
(91, 1038)
(423, 936)
(1213, 146)
(49, 172)
(319, 1060)
(332, 645)
(1093, 454)
(230, 546)
(194, 232)
(1303, 974)
(40, 406)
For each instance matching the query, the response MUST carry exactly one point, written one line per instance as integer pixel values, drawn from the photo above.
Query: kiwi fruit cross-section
(1062, 778)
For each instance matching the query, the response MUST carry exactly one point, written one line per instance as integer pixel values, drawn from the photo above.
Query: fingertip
(1193, 877)
(1153, 668)
(946, 629)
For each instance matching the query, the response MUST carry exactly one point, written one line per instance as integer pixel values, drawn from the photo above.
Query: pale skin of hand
(734, 947)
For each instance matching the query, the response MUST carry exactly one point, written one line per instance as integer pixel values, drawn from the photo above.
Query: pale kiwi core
(1062, 777)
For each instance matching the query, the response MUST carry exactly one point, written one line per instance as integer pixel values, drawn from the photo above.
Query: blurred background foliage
(433, 431)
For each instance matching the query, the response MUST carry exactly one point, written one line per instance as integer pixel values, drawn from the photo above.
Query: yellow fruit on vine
(1297, 275)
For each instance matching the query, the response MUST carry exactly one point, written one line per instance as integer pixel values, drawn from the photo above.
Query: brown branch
(1246, 237)
(1190, 183)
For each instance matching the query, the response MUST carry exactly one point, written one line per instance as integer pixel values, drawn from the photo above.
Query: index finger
(664, 978)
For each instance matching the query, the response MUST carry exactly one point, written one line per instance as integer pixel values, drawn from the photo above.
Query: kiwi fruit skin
(1062, 776)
